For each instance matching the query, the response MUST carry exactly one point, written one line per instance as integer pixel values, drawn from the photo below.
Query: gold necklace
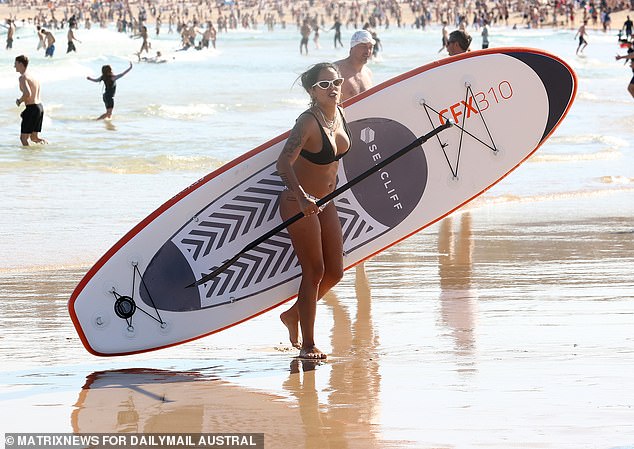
(330, 124)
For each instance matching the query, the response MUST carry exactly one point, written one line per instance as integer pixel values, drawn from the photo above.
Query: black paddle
(323, 201)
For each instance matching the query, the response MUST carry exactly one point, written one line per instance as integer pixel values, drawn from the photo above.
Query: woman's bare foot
(291, 321)
(311, 353)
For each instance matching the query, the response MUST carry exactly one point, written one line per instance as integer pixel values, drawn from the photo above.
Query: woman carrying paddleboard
(308, 166)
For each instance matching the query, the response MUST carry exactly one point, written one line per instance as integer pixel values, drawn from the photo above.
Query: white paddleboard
(505, 103)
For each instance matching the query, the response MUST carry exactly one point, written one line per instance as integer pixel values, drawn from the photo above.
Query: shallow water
(508, 324)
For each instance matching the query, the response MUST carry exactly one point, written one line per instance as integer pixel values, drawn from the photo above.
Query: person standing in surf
(458, 42)
(485, 35)
(49, 44)
(70, 35)
(10, 26)
(41, 38)
(629, 57)
(33, 114)
(445, 36)
(145, 44)
(337, 28)
(308, 167)
(356, 74)
(110, 82)
(628, 25)
(582, 33)
(305, 33)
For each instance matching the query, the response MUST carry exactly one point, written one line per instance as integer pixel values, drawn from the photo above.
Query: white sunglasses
(326, 84)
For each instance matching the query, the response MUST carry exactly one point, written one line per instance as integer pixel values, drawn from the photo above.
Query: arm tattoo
(294, 139)
(284, 177)
(293, 142)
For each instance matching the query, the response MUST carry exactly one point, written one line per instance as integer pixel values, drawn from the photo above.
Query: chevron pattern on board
(241, 214)
(356, 230)
(269, 260)
(250, 210)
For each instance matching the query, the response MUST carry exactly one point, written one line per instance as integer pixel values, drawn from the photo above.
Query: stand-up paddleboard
(160, 285)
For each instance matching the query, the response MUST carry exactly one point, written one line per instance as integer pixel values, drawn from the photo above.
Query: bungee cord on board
(125, 306)
(461, 127)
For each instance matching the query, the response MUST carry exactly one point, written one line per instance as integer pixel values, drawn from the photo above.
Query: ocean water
(176, 122)
(508, 324)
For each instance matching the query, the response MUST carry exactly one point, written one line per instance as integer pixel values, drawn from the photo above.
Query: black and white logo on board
(392, 193)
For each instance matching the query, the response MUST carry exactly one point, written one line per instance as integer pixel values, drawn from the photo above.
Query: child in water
(110, 81)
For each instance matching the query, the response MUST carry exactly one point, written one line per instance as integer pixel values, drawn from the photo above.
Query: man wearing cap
(357, 76)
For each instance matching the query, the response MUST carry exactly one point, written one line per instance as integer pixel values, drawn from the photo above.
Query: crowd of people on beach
(222, 16)
(198, 25)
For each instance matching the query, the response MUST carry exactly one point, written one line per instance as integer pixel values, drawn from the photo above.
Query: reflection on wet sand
(349, 417)
(543, 305)
(35, 316)
(319, 431)
(163, 401)
(154, 401)
(457, 299)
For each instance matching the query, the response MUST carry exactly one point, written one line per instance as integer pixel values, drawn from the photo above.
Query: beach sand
(523, 317)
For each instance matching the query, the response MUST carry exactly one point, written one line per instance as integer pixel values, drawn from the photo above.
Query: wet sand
(504, 326)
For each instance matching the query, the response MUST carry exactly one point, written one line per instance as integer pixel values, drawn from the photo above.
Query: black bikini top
(327, 154)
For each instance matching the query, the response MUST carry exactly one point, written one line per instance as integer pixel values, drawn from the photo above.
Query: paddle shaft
(323, 201)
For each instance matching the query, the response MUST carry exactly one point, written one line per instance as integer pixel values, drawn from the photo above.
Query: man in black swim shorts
(32, 118)
(33, 114)
(582, 33)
